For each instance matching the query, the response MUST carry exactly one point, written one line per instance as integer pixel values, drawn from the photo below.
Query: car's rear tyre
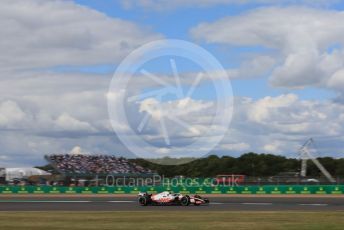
(143, 201)
(185, 201)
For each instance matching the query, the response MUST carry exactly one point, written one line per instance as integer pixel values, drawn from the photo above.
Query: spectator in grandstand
(94, 164)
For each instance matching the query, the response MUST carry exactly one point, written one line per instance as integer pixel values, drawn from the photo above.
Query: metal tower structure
(305, 155)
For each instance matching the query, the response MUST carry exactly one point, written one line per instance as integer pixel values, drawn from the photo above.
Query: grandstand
(80, 164)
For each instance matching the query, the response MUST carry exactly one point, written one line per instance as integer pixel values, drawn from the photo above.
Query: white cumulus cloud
(38, 33)
(308, 41)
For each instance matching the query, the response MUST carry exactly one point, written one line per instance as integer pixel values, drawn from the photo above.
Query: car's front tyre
(185, 201)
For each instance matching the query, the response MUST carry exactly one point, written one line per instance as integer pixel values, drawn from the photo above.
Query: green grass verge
(172, 220)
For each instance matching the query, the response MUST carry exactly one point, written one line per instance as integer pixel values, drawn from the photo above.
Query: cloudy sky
(285, 60)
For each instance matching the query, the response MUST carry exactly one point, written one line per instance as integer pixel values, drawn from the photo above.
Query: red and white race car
(168, 198)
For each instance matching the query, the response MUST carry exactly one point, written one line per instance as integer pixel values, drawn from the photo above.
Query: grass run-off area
(172, 220)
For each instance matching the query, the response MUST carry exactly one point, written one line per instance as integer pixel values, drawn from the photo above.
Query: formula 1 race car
(168, 198)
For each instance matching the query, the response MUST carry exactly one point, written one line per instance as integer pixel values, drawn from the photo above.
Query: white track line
(313, 204)
(256, 203)
(66, 201)
(120, 201)
(46, 201)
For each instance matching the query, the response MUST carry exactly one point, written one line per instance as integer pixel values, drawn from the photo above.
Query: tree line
(249, 164)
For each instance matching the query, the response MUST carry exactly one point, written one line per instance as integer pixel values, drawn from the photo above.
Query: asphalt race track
(77, 203)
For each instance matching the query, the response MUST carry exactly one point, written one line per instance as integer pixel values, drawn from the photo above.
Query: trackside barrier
(268, 189)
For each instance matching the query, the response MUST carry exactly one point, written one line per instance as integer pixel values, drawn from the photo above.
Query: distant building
(21, 173)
